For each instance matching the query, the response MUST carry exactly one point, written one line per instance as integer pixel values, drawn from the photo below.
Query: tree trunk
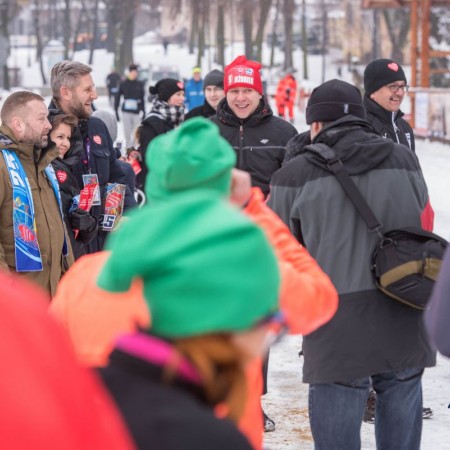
(39, 46)
(67, 28)
(193, 38)
(126, 50)
(77, 28)
(247, 14)
(5, 33)
(264, 9)
(304, 42)
(220, 43)
(288, 12)
(94, 34)
(274, 34)
(397, 20)
(324, 39)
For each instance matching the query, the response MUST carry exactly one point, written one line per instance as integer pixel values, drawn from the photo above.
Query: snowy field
(286, 401)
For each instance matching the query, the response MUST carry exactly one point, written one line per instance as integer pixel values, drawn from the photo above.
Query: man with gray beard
(91, 152)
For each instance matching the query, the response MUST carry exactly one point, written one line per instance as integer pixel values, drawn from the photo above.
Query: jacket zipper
(241, 144)
(394, 126)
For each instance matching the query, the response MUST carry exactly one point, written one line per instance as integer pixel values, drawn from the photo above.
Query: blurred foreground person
(211, 283)
(48, 400)
(438, 311)
(181, 162)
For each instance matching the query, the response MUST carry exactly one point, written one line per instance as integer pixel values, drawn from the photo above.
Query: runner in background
(286, 95)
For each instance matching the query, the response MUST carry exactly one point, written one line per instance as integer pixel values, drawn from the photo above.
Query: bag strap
(349, 186)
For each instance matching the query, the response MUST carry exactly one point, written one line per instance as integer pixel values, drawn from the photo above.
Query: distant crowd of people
(242, 233)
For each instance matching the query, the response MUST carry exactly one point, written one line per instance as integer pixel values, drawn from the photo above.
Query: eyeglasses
(396, 87)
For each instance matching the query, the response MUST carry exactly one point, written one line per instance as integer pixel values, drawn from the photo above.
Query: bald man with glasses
(385, 87)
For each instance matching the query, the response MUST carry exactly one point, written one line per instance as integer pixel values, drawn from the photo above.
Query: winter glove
(82, 220)
(117, 116)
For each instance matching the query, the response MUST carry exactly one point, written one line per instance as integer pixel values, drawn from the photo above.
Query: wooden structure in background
(420, 39)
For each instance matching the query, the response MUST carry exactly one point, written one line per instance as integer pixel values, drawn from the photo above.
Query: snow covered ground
(286, 401)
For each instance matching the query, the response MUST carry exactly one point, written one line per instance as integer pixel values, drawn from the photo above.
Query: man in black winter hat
(214, 93)
(385, 87)
(372, 340)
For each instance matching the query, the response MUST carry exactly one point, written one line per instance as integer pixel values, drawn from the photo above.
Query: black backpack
(406, 261)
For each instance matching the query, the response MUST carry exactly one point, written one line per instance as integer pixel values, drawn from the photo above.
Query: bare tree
(67, 28)
(121, 18)
(264, 9)
(398, 25)
(39, 40)
(288, 15)
(247, 17)
(304, 41)
(94, 39)
(220, 42)
(8, 10)
(274, 33)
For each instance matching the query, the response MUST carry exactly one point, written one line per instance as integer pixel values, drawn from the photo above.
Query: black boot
(269, 424)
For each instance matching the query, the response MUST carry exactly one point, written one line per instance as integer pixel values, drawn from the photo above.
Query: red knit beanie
(243, 73)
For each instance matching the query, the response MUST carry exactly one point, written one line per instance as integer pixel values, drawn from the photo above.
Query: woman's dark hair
(57, 117)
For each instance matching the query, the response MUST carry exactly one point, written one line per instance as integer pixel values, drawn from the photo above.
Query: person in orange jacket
(48, 401)
(286, 95)
(91, 324)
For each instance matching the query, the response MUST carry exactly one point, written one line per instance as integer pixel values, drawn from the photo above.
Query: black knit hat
(332, 100)
(214, 78)
(382, 72)
(166, 87)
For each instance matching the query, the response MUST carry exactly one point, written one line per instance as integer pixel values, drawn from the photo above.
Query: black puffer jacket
(259, 141)
(370, 333)
(389, 124)
(100, 159)
(204, 110)
(153, 125)
(166, 415)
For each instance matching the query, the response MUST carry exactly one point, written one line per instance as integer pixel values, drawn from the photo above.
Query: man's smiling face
(387, 99)
(80, 98)
(243, 101)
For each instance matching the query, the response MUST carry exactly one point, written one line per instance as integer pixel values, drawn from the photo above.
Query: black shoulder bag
(406, 261)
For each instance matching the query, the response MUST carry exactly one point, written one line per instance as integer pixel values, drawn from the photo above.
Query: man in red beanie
(259, 138)
(247, 122)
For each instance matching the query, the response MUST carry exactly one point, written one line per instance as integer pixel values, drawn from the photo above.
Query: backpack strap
(335, 165)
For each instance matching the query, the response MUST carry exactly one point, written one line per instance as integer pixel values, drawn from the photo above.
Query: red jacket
(286, 90)
(307, 298)
(47, 399)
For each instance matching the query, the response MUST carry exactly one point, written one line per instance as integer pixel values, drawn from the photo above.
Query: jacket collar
(375, 109)
(226, 115)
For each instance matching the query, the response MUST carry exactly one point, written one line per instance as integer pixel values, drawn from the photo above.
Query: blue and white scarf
(27, 252)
